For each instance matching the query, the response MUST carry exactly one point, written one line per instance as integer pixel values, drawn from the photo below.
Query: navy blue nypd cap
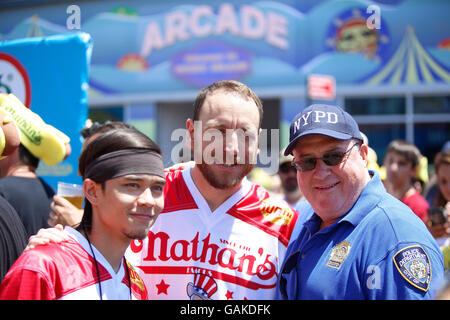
(324, 119)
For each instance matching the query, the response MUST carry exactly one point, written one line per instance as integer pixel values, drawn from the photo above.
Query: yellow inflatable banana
(42, 140)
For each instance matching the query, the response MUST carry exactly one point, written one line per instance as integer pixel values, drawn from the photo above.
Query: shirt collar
(367, 200)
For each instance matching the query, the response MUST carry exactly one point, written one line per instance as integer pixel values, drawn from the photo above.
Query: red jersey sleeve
(25, 284)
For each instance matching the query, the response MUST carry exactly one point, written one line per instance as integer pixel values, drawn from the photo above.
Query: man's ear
(257, 141)
(364, 152)
(190, 133)
(91, 190)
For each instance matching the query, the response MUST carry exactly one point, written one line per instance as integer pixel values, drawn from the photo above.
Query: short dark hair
(440, 159)
(228, 86)
(27, 158)
(97, 127)
(112, 140)
(406, 149)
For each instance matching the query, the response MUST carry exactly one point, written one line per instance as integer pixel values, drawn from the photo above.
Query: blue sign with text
(211, 61)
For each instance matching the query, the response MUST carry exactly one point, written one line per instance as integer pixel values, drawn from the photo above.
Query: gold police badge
(338, 254)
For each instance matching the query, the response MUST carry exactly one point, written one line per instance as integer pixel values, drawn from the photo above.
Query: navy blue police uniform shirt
(379, 250)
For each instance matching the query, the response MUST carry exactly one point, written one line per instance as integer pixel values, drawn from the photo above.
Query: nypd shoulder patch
(414, 265)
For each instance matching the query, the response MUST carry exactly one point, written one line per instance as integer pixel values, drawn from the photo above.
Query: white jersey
(234, 252)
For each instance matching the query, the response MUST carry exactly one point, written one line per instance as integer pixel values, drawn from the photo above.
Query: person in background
(372, 158)
(291, 192)
(439, 216)
(28, 193)
(123, 179)
(12, 232)
(422, 177)
(288, 178)
(20, 185)
(432, 193)
(402, 163)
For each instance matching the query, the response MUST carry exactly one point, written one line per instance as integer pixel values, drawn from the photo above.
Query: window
(430, 138)
(372, 106)
(380, 135)
(422, 120)
(113, 113)
(143, 118)
(432, 105)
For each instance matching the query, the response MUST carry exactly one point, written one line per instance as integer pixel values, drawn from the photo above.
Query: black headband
(127, 161)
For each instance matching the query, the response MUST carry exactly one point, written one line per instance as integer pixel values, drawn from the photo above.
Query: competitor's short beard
(136, 235)
(222, 181)
(139, 234)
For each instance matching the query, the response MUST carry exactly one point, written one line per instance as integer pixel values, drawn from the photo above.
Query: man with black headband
(123, 184)
(63, 211)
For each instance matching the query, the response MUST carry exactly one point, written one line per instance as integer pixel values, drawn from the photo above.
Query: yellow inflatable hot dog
(42, 140)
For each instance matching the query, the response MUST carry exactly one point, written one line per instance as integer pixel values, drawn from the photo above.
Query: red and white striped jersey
(67, 271)
(234, 252)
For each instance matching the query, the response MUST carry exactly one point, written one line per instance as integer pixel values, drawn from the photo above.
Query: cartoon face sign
(354, 36)
(349, 33)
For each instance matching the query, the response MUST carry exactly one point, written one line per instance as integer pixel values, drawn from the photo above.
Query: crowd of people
(337, 226)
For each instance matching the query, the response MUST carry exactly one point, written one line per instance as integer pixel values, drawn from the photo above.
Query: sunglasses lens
(333, 159)
(307, 164)
(330, 159)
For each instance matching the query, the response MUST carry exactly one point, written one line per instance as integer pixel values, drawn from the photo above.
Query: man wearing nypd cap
(360, 242)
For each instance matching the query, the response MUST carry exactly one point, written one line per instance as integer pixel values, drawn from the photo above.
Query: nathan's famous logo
(203, 287)
(135, 278)
(276, 212)
(160, 248)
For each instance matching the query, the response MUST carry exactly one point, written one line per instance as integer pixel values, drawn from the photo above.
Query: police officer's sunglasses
(330, 159)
